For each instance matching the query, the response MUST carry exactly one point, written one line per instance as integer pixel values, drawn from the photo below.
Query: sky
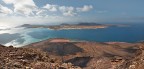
(13, 12)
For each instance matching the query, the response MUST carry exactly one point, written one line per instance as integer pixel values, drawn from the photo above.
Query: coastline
(76, 28)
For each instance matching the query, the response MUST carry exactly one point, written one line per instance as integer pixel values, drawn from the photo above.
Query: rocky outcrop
(94, 55)
(137, 62)
(26, 58)
(56, 54)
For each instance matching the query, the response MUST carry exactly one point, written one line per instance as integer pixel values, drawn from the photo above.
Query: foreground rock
(24, 58)
(67, 54)
(94, 55)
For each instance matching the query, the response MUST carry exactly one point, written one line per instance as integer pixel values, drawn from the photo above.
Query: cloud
(17, 12)
(85, 8)
(40, 12)
(5, 10)
(25, 7)
(18, 20)
(8, 1)
(50, 7)
(29, 8)
(67, 11)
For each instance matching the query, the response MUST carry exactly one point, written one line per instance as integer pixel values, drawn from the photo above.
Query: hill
(94, 55)
(60, 53)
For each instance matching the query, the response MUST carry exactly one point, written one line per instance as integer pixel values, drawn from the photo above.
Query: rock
(17, 65)
(73, 55)
(10, 46)
(28, 68)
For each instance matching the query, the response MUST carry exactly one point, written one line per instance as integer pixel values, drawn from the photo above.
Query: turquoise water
(122, 34)
(132, 33)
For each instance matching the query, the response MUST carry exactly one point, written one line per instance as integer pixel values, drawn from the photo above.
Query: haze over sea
(23, 36)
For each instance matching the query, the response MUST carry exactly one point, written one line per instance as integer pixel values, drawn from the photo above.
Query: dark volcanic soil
(94, 55)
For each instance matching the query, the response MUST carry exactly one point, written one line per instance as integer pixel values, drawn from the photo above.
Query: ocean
(22, 36)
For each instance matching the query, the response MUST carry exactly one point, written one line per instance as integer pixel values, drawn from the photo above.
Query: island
(73, 26)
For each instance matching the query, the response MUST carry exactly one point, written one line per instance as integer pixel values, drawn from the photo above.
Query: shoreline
(67, 40)
(76, 28)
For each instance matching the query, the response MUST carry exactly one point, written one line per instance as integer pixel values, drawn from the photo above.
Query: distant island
(72, 26)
